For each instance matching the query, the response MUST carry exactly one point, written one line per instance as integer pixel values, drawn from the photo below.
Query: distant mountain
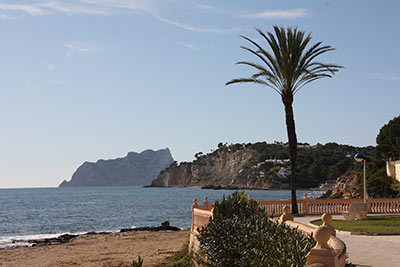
(135, 169)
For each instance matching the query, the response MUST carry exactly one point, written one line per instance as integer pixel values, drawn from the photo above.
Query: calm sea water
(48, 212)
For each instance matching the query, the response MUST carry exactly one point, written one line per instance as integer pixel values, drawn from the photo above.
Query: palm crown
(290, 66)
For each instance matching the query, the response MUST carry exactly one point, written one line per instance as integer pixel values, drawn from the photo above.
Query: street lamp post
(360, 158)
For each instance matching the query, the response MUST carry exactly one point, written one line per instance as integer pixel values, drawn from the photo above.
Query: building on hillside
(283, 172)
(278, 161)
(393, 169)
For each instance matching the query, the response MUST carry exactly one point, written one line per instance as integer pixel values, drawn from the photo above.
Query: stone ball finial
(286, 216)
(326, 218)
(206, 205)
(195, 205)
(322, 235)
(286, 210)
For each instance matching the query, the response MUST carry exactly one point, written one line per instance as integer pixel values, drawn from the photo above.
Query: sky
(83, 80)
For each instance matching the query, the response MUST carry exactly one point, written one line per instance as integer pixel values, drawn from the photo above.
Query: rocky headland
(222, 169)
(236, 166)
(261, 166)
(136, 169)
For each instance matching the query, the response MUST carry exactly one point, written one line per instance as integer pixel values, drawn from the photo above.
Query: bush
(138, 263)
(182, 259)
(240, 234)
(381, 185)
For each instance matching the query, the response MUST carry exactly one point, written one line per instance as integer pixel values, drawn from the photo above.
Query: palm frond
(252, 80)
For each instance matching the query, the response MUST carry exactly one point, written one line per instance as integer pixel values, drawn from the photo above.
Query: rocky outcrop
(345, 187)
(222, 169)
(163, 227)
(50, 241)
(136, 169)
(378, 186)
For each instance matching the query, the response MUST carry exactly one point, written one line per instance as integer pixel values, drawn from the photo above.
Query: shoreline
(49, 239)
(236, 188)
(100, 249)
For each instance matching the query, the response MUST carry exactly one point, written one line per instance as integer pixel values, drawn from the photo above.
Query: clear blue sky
(89, 79)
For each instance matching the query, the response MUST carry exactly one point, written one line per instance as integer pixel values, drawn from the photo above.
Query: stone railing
(308, 206)
(200, 216)
(330, 251)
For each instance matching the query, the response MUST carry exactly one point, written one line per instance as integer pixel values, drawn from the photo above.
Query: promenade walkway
(366, 251)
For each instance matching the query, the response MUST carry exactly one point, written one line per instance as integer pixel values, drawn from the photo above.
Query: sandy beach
(116, 249)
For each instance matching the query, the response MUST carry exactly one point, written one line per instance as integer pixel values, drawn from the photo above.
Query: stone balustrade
(308, 206)
(330, 251)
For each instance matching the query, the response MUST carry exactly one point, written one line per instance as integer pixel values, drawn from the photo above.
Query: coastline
(51, 239)
(100, 249)
(217, 187)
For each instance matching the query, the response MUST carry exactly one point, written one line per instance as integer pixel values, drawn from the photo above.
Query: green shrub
(138, 263)
(182, 259)
(240, 234)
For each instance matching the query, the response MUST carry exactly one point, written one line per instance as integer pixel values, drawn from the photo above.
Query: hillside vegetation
(262, 166)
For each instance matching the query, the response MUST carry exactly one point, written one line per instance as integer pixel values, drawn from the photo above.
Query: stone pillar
(195, 205)
(322, 253)
(286, 216)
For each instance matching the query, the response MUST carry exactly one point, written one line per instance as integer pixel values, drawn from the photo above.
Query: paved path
(374, 251)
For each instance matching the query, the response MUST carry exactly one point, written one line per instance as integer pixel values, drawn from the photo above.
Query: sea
(36, 213)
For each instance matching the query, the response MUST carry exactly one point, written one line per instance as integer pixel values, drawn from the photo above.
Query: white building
(278, 161)
(393, 169)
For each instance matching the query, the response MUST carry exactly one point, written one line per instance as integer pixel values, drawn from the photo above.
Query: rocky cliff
(224, 168)
(135, 169)
(345, 187)
(262, 166)
(350, 185)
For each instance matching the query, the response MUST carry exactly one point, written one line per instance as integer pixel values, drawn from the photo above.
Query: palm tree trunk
(291, 132)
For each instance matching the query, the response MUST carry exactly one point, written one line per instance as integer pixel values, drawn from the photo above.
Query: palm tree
(286, 69)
